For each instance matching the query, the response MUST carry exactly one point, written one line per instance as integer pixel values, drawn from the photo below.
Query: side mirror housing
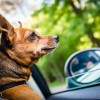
(83, 68)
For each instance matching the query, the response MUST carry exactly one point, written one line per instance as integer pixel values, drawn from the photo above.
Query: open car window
(82, 69)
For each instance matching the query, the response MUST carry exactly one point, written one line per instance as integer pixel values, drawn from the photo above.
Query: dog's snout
(56, 38)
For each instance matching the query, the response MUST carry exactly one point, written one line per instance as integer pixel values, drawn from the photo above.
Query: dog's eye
(33, 34)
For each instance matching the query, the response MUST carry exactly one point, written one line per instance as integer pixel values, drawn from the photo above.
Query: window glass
(84, 71)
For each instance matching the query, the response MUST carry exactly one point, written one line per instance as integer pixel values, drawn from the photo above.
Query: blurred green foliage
(76, 23)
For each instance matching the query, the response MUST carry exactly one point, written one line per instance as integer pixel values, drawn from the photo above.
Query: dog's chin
(48, 50)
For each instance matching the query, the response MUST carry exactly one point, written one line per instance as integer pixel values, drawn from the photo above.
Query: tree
(77, 25)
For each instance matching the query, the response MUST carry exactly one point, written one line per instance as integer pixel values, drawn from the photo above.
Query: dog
(19, 49)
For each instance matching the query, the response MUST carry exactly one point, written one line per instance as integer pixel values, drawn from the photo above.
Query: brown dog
(19, 49)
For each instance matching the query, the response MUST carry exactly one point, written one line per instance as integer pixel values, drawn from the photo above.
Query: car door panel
(90, 93)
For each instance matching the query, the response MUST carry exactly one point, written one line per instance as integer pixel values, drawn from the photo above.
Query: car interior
(38, 83)
(85, 92)
(88, 92)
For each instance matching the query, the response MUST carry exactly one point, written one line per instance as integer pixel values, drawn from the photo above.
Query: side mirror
(83, 68)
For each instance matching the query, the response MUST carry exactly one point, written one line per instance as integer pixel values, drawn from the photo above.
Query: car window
(56, 85)
(81, 70)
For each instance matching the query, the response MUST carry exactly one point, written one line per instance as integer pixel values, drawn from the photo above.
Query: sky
(20, 10)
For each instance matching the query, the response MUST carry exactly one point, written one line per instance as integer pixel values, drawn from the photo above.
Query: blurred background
(76, 22)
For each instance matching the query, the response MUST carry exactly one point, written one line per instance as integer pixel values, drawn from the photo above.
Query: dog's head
(25, 45)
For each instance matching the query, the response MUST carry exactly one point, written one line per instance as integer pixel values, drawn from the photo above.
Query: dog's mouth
(48, 49)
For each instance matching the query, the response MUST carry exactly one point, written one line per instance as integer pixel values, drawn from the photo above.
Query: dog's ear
(6, 30)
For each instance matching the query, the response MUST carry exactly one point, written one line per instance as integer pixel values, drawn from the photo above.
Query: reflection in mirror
(83, 79)
(86, 66)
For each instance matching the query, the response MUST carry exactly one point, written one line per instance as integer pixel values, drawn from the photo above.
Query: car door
(86, 92)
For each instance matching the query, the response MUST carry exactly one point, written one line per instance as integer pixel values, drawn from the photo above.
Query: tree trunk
(96, 42)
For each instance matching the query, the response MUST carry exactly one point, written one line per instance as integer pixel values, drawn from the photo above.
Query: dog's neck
(10, 71)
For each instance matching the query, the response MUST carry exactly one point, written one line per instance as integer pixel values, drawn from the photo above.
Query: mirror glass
(85, 67)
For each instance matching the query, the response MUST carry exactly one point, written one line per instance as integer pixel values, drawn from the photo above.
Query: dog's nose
(56, 38)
